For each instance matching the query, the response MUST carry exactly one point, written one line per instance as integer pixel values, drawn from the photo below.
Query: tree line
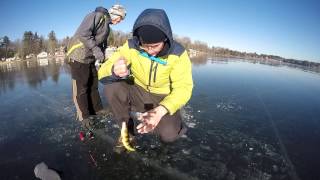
(32, 43)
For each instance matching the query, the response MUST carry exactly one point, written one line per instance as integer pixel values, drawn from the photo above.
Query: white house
(42, 55)
(193, 53)
(11, 59)
(59, 54)
(30, 56)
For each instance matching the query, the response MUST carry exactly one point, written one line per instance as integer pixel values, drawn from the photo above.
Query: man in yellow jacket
(151, 73)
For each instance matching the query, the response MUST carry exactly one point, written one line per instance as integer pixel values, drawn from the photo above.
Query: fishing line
(292, 173)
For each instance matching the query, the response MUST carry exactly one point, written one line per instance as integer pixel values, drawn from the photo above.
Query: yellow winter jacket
(173, 79)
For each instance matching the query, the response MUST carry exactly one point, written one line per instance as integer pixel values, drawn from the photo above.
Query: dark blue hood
(157, 18)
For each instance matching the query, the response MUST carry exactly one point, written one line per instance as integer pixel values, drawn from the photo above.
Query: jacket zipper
(150, 75)
(155, 73)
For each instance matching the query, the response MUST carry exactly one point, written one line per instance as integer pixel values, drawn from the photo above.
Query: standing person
(86, 49)
(161, 78)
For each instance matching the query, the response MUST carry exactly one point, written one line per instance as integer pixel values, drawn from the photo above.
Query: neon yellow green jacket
(173, 79)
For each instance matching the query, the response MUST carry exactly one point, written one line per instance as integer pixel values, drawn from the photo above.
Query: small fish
(125, 137)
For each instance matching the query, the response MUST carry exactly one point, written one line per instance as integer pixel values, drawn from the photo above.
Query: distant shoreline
(304, 65)
(202, 58)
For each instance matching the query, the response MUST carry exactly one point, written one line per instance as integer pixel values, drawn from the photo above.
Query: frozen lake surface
(246, 121)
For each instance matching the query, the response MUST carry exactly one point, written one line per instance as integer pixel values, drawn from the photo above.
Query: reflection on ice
(43, 62)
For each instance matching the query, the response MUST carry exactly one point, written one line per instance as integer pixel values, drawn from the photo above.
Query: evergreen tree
(42, 44)
(52, 42)
(36, 44)
(6, 42)
(65, 41)
(27, 43)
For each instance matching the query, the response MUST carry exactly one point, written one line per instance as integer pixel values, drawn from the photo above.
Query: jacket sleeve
(87, 28)
(105, 73)
(181, 83)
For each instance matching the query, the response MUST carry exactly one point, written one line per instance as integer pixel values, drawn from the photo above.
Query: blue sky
(287, 28)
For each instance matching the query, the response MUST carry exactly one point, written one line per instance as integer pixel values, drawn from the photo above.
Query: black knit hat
(150, 34)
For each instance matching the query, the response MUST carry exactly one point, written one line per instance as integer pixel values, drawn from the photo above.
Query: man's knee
(169, 137)
(169, 133)
(116, 91)
(171, 128)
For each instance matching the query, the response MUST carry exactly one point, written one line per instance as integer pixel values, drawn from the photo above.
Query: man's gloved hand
(98, 54)
(97, 64)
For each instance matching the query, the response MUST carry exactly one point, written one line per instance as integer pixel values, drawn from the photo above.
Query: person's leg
(80, 77)
(117, 96)
(170, 128)
(141, 100)
(95, 102)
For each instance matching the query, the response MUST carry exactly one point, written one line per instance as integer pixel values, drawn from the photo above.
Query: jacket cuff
(168, 106)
